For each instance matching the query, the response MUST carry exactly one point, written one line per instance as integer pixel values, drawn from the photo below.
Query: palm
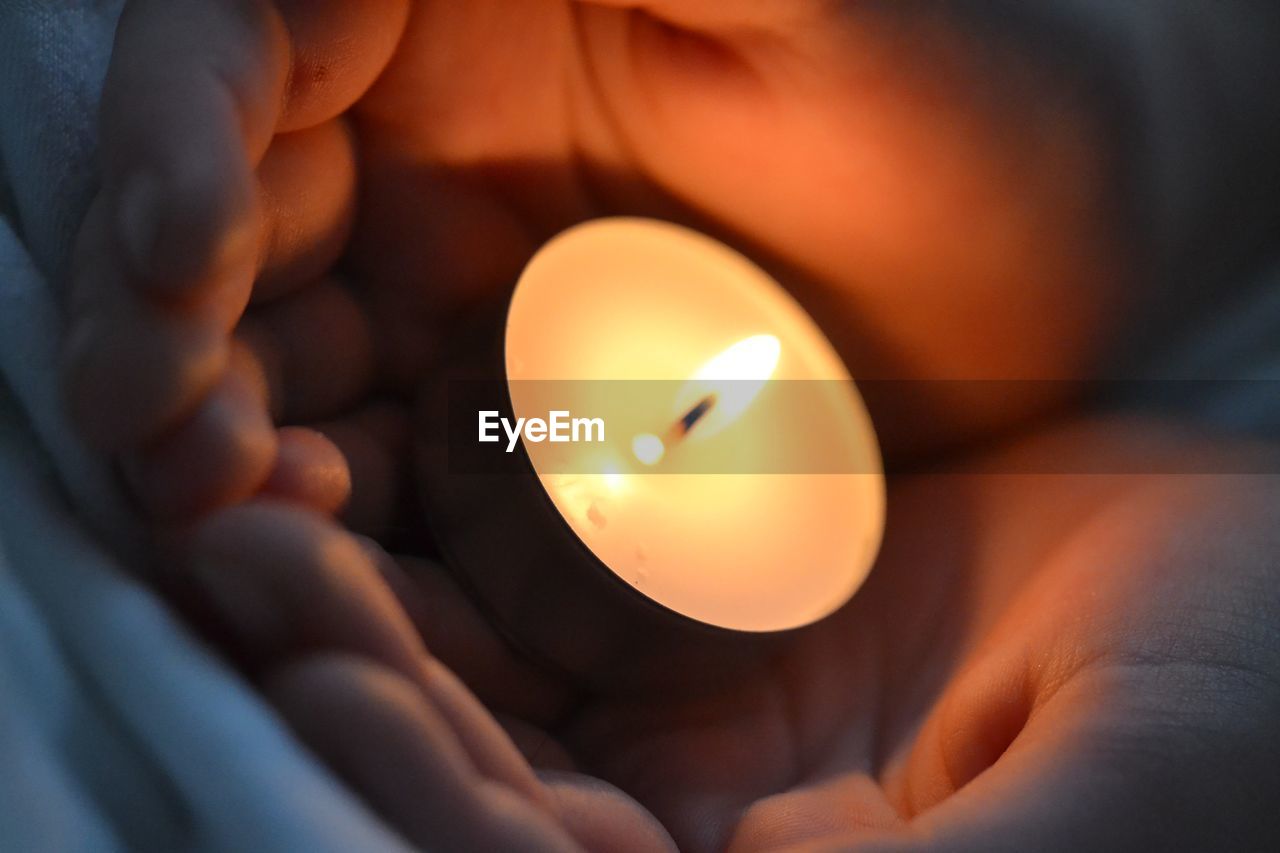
(817, 715)
(998, 597)
(852, 163)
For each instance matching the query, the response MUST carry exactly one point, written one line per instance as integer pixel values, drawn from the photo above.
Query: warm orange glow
(671, 338)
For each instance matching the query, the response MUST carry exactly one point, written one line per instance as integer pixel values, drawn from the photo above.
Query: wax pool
(613, 303)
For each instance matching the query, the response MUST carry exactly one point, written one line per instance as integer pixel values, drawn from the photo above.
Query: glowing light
(753, 358)
(733, 379)
(613, 478)
(648, 448)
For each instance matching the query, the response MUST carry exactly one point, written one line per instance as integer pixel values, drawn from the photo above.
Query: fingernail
(138, 222)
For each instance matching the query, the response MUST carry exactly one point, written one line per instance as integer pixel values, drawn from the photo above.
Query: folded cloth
(118, 730)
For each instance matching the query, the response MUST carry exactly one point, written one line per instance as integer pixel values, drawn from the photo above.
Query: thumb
(1112, 762)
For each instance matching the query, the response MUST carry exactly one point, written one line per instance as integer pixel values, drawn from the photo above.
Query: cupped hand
(1040, 661)
(337, 183)
(300, 199)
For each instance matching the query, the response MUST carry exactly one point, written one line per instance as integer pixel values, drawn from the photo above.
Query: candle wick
(691, 417)
(650, 449)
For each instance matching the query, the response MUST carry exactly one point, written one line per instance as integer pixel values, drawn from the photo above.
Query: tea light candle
(668, 544)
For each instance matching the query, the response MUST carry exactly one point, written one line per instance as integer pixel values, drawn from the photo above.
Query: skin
(361, 178)
(301, 199)
(1039, 661)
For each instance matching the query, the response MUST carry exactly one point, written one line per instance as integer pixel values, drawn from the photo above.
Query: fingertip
(219, 456)
(282, 580)
(307, 189)
(173, 62)
(377, 479)
(356, 715)
(190, 233)
(310, 470)
(128, 376)
(327, 75)
(602, 817)
(189, 104)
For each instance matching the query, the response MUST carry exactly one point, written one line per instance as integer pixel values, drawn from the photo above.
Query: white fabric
(117, 730)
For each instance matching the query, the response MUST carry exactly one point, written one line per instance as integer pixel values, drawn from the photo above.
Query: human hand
(1039, 661)
(359, 175)
(304, 610)
(365, 173)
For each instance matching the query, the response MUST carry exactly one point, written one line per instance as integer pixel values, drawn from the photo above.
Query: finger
(1109, 763)
(220, 455)
(460, 636)
(399, 752)
(280, 583)
(130, 372)
(488, 744)
(542, 752)
(131, 369)
(601, 817)
(807, 815)
(1053, 791)
(768, 14)
(483, 737)
(375, 443)
(195, 92)
(339, 50)
(316, 347)
(191, 94)
(193, 97)
(308, 186)
(309, 471)
(190, 102)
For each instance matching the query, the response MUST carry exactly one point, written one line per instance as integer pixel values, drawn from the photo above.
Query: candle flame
(717, 394)
(754, 358)
(733, 379)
